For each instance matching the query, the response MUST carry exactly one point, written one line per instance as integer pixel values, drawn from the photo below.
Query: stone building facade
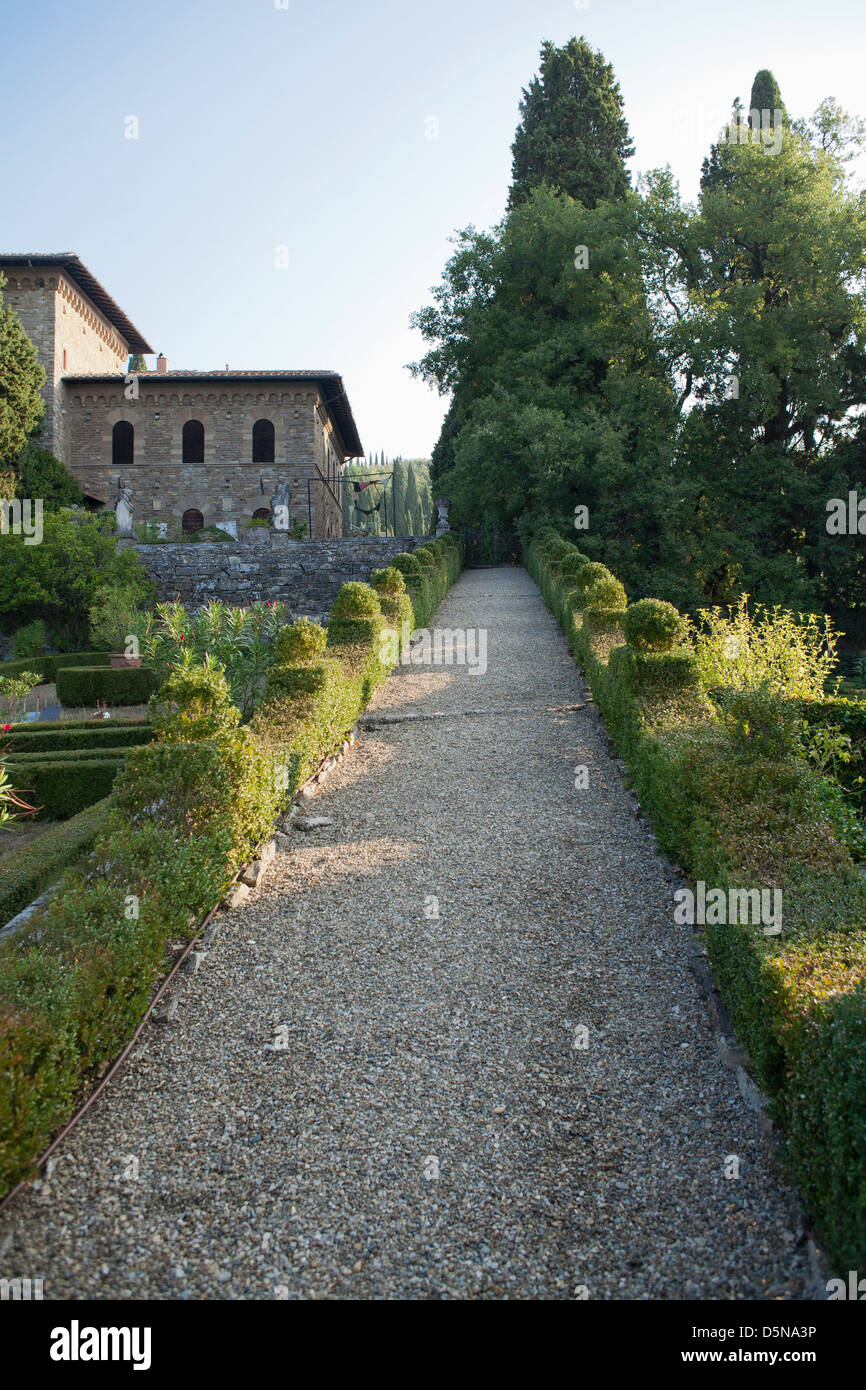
(194, 449)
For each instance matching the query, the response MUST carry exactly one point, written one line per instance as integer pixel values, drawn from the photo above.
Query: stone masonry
(305, 575)
(107, 424)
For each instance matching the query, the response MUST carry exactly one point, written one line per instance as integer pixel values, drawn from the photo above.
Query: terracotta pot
(119, 661)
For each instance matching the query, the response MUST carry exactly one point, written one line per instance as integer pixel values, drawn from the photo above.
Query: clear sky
(267, 124)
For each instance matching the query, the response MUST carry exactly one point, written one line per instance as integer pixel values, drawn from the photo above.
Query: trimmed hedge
(183, 817)
(27, 872)
(52, 737)
(733, 804)
(67, 783)
(84, 685)
(48, 666)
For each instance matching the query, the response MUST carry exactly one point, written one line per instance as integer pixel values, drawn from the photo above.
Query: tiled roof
(77, 271)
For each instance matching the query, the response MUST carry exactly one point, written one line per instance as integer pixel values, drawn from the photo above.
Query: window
(193, 442)
(64, 359)
(122, 444)
(263, 442)
(192, 521)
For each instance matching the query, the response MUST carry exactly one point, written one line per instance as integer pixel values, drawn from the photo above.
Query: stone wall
(306, 575)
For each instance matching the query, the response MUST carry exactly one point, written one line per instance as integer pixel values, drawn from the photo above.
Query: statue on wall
(442, 525)
(123, 508)
(281, 508)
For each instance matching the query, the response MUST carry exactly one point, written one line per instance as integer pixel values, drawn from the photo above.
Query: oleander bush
(753, 776)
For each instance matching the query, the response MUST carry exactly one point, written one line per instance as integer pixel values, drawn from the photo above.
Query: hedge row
(65, 783)
(736, 817)
(27, 872)
(85, 685)
(53, 737)
(48, 666)
(429, 572)
(187, 810)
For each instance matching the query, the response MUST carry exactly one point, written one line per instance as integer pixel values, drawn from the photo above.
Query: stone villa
(195, 448)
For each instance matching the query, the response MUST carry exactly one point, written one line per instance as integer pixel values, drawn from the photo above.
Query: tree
(414, 517)
(21, 380)
(57, 579)
(42, 475)
(137, 363)
(572, 133)
(767, 281)
(766, 95)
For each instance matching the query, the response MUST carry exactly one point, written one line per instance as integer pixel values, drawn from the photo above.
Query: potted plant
(114, 620)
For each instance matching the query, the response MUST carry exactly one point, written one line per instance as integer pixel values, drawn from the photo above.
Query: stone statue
(281, 508)
(442, 525)
(123, 508)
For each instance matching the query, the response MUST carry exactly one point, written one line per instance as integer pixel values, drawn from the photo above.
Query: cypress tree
(573, 134)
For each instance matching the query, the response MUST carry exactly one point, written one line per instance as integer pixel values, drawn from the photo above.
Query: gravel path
(360, 1098)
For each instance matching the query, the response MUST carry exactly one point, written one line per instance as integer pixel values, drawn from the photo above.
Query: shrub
(793, 654)
(762, 723)
(292, 681)
(425, 557)
(85, 685)
(598, 588)
(114, 616)
(194, 703)
(300, 641)
(407, 564)
(30, 640)
(388, 581)
(356, 601)
(652, 625)
(28, 871)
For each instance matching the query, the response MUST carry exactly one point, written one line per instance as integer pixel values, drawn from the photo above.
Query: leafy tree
(572, 133)
(137, 362)
(40, 474)
(21, 380)
(57, 579)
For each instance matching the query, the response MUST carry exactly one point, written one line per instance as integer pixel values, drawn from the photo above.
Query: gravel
(451, 1047)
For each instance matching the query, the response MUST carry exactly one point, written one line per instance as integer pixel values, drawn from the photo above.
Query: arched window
(192, 521)
(122, 444)
(263, 442)
(193, 442)
(262, 514)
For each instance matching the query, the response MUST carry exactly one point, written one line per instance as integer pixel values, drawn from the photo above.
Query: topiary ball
(653, 625)
(356, 601)
(388, 581)
(406, 564)
(299, 642)
(425, 557)
(599, 588)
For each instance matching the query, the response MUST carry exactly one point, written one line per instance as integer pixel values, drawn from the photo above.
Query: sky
(299, 167)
